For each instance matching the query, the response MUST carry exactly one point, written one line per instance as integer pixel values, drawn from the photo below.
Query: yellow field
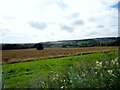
(30, 54)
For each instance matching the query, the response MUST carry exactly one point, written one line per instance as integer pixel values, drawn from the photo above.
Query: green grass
(60, 72)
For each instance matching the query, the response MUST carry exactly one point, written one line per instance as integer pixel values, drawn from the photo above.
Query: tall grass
(105, 73)
(95, 70)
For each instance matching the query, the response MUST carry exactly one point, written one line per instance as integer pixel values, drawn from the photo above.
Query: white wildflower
(62, 87)
(95, 72)
(110, 71)
(116, 59)
(57, 75)
(113, 62)
(99, 64)
(113, 75)
(53, 78)
(117, 63)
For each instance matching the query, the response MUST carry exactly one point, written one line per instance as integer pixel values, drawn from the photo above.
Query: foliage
(110, 41)
(105, 74)
(96, 70)
(16, 46)
(39, 46)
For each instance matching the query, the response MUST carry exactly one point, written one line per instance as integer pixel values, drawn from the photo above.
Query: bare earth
(32, 54)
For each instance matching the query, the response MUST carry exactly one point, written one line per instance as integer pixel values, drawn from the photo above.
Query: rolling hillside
(109, 41)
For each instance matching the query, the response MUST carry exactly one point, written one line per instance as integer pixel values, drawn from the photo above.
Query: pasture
(96, 67)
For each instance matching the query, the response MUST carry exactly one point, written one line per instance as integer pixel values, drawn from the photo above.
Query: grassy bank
(93, 70)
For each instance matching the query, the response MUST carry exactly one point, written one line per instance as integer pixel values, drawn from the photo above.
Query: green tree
(39, 46)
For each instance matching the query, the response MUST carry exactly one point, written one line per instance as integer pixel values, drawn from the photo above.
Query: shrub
(39, 46)
(104, 74)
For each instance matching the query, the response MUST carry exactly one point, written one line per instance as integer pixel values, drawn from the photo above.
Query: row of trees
(88, 44)
(63, 44)
(38, 46)
(16, 46)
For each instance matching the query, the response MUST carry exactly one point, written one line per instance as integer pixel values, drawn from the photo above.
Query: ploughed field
(33, 54)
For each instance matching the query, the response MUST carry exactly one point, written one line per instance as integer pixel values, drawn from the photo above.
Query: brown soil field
(32, 54)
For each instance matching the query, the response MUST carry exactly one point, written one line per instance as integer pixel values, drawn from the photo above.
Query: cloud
(109, 2)
(3, 32)
(17, 39)
(93, 33)
(117, 6)
(78, 22)
(61, 17)
(9, 17)
(92, 19)
(75, 15)
(100, 26)
(62, 5)
(67, 28)
(38, 25)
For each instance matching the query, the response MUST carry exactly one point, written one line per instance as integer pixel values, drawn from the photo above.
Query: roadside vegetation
(93, 70)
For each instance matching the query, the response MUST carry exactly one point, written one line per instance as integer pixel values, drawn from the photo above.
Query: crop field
(98, 68)
(32, 54)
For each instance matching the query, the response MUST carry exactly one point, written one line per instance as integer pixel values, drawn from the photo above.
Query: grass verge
(95, 70)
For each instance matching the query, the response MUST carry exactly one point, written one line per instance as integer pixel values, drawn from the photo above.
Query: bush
(39, 46)
(104, 74)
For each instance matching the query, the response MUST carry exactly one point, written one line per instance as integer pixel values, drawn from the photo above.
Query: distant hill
(108, 41)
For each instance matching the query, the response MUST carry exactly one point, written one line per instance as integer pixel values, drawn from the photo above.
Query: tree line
(64, 44)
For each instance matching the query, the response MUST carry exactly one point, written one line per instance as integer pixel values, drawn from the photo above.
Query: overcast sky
(31, 21)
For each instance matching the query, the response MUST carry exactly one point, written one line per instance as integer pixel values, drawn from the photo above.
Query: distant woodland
(111, 41)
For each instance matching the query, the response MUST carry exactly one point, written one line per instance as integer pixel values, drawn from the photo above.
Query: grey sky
(35, 20)
(38, 25)
(67, 28)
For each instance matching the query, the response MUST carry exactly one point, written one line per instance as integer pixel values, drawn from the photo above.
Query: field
(32, 54)
(96, 67)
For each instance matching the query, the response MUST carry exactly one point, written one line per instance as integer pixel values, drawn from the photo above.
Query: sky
(33, 21)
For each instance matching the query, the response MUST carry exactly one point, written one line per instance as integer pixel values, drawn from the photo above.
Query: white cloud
(51, 15)
(38, 25)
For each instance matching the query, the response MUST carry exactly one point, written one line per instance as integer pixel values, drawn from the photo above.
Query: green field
(94, 70)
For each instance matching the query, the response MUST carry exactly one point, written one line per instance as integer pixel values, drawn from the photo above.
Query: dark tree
(39, 46)
(117, 42)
